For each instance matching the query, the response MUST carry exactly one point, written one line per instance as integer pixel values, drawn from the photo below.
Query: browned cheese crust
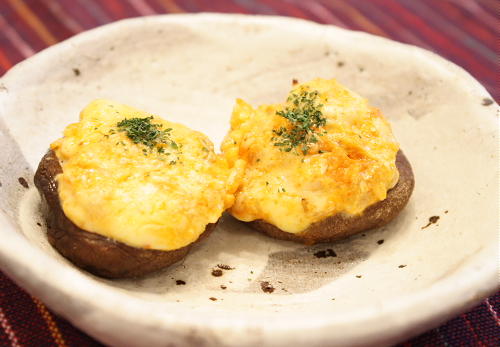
(340, 226)
(95, 253)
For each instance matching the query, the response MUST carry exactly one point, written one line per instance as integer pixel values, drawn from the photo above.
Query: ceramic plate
(190, 68)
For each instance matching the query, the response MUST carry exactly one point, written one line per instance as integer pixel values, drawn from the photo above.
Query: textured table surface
(466, 32)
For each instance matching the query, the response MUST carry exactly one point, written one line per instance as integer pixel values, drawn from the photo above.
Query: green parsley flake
(151, 135)
(305, 119)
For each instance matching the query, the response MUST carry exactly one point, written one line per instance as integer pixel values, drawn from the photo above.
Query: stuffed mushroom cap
(324, 152)
(134, 179)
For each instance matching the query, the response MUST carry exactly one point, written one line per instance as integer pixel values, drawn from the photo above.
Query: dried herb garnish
(305, 119)
(143, 131)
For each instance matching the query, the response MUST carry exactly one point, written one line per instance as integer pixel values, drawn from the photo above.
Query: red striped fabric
(466, 32)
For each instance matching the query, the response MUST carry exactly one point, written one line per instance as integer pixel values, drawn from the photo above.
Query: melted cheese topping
(351, 166)
(110, 186)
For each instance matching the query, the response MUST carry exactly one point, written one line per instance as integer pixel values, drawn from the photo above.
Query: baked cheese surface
(148, 183)
(323, 151)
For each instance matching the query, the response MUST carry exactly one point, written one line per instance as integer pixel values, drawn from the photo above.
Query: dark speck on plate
(212, 298)
(380, 242)
(325, 253)
(401, 266)
(76, 71)
(217, 272)
(487, 102)
(432, 220)
(266, 287)
(225, 267)
(180, 282)
(23, 182)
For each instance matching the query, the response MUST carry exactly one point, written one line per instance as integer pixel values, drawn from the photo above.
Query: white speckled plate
(190, 68)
